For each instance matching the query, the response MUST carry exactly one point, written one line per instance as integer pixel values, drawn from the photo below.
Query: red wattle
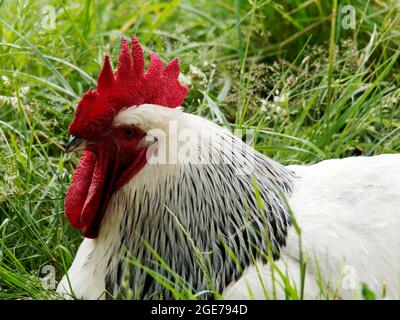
(97, 177)
(95, 192)
(79, 188)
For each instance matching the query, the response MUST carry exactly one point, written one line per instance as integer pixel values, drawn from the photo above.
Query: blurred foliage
(311, 89)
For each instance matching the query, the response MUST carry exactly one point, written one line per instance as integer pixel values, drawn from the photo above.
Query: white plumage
(348, 211)
(349, 214)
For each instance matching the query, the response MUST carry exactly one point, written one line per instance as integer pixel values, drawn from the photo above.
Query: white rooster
(166, 200)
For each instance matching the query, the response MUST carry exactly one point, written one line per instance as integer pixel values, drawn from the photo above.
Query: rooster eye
(128, 132)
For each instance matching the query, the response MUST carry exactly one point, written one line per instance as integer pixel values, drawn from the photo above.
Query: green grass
(311, 89)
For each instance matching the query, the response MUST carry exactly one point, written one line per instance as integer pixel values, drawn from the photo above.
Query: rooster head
(113, 154)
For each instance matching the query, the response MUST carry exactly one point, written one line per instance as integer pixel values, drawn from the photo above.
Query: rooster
(211, 214)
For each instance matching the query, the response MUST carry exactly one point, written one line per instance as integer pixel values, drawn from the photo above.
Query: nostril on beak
(75, 144)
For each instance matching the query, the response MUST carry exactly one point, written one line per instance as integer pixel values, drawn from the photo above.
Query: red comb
(128, 87)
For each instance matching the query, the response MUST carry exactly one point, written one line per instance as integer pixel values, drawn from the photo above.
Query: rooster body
(170, 202)
(348, 211)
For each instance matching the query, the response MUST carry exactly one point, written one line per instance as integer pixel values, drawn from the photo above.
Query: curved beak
(75, 144)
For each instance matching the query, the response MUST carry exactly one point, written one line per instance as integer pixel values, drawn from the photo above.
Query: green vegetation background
(311, 87)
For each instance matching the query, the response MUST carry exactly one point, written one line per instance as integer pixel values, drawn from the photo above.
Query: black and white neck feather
(201, 223)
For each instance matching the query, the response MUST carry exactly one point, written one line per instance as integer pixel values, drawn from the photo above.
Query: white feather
(349, 214)
(348, 211)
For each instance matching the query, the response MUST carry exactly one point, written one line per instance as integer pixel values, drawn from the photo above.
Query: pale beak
(75, 144)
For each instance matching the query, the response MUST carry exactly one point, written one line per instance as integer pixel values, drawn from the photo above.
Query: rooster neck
(203, 223)
(188, 215)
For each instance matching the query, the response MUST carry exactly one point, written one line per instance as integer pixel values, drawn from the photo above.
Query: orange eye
(128, 132)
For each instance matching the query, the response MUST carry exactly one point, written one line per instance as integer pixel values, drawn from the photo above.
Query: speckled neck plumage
(189, 217)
